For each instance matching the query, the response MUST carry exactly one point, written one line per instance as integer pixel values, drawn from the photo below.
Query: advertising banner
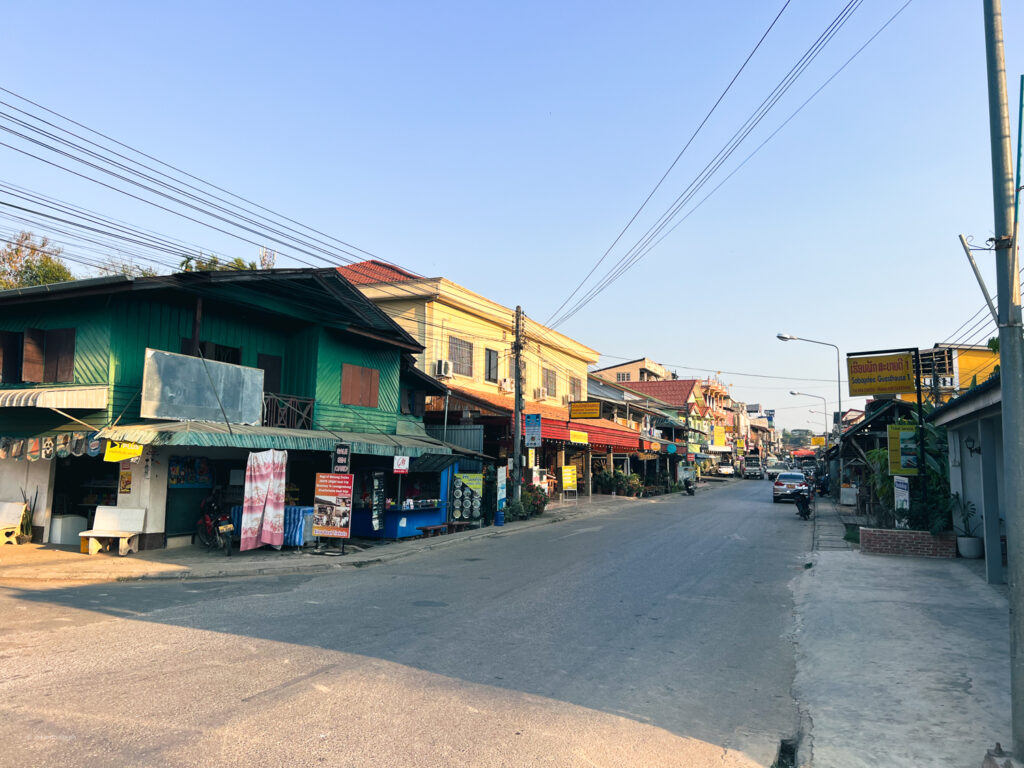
(332, 505)
(903, 454)
(502, 486)
(817, 440)
(901, 493)
(568, 477)
(119, 451)
(189, 472)
(378, 501)
(467, 496)
(719, 435)
(532, 431)
(401, 465)
(342, 453)
(585, 410)
(881, 374)
(581, 438)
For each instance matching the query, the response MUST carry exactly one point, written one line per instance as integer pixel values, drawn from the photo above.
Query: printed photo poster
(332, 505)
(124, 481)
(189, 472)
(903, 453)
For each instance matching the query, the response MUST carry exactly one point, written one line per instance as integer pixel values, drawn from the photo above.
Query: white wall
(149, 488)
(29, 476)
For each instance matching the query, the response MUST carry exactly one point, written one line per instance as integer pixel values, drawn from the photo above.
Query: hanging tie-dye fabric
(263, 509)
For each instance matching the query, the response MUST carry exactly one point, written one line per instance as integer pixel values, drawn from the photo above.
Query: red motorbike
(214, 527)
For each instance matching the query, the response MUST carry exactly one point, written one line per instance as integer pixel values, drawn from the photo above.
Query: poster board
(903, 453)
(532, 431)
(332, 505)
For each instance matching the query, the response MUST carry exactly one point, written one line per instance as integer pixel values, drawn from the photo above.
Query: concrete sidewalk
(44, 562)
(900, 661)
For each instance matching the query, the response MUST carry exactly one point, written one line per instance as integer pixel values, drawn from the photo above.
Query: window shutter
(419, 402)
(32, 355)
(60, 355)
(347, 374)
(372, 377)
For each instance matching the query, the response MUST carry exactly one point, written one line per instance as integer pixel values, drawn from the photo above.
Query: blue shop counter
(398, 523)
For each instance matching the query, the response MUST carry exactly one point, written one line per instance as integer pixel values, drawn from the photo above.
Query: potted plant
(969, 545)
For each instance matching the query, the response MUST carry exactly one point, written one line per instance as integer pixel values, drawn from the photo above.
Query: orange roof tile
(373, 271)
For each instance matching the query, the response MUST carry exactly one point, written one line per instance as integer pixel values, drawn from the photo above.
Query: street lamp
(839, 387)
(824, 404)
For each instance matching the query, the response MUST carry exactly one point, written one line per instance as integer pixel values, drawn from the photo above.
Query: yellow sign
(818, 440)
(694, 447)
(578, 437)
(585, 410)
(903, 453)
(881, 374)
(531, 457)
(118, 451)
(741, 443)
(568, 477)
(719, 435)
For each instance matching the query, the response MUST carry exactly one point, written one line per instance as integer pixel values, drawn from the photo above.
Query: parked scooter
(688, 487)
(803, 506)
(214, 527)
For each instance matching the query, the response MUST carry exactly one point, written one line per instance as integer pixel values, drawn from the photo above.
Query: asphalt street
(654, 634)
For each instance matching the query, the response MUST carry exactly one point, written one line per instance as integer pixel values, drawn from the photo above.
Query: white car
(726, 469)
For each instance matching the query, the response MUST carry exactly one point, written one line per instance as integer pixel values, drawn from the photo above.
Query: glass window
(622, 377)
(550, 382)
(491, 365)
(460, 352)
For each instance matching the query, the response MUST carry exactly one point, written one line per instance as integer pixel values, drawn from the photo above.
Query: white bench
(121, 523)
(11, 513)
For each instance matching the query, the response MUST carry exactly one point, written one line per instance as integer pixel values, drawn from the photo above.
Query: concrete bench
(11, 513)
(121, 524)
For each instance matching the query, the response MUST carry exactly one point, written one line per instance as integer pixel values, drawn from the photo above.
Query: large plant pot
(969, 546)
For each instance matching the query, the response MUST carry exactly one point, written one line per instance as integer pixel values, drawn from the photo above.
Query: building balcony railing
(287, 411)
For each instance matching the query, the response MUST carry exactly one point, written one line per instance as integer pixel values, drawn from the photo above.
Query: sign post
(332, 507)
(532, 431)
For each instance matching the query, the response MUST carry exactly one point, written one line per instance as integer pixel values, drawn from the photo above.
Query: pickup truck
(753, 468)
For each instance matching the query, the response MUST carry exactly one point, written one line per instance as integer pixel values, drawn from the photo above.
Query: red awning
(597, 436)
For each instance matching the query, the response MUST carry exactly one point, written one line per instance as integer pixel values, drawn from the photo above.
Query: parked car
(752, 467)
(726, 470)
(789, 484)
(775, 468)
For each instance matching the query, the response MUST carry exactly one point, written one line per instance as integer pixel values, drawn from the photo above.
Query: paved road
(655, 634)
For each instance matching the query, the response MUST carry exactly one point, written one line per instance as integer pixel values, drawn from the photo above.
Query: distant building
(641, 369)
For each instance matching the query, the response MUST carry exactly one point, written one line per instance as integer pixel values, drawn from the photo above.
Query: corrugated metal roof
(92, 398)
(211, 435)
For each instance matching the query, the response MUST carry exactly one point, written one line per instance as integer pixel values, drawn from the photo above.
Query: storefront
(171, 467)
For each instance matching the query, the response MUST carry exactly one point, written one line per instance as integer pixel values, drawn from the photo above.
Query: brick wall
(880, 541)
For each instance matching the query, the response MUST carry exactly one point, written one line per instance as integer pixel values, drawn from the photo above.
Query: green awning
(213, 435)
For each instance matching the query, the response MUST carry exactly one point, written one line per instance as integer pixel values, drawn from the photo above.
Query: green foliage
(24, 263)
(213, 263)
(514, 511)
(115, 265)
(535, 499)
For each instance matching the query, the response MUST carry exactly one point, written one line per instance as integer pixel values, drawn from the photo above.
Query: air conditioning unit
(540, 393)
(443, 369)
(506, 385)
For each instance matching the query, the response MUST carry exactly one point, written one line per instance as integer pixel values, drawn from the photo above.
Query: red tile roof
(672, 391)
(373, 271)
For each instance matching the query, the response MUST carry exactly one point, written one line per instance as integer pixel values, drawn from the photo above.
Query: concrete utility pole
(1011, 353)
(517, 413)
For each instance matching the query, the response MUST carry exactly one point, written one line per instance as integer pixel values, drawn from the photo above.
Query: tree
(24, 262)
(212, 263)
(117, 265)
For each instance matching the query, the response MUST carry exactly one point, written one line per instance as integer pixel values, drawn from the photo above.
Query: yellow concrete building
(947, 370)
(468, 338)
(641, 369)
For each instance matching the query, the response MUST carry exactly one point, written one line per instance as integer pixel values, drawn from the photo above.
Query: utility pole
(1011, 354)
(517, 412)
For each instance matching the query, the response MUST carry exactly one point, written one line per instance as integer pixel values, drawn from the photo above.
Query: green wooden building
(72, 358)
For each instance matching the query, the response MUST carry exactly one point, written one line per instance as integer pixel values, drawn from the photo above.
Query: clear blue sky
(505, 145)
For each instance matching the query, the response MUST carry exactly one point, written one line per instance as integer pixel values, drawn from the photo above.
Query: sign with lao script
(817, 440)
(585, 410)
(342, 454)
(568, 477)
(881, 374)
(532, 431)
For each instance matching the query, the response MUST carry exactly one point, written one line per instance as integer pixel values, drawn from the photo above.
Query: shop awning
(212, 435)
(92, 398)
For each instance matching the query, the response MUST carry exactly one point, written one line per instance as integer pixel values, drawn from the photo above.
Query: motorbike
(215, 527)
(688, 487)
(803, 506)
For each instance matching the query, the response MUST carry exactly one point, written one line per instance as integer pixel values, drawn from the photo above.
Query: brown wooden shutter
(59, 355)
(349, 384)
(32, 355)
